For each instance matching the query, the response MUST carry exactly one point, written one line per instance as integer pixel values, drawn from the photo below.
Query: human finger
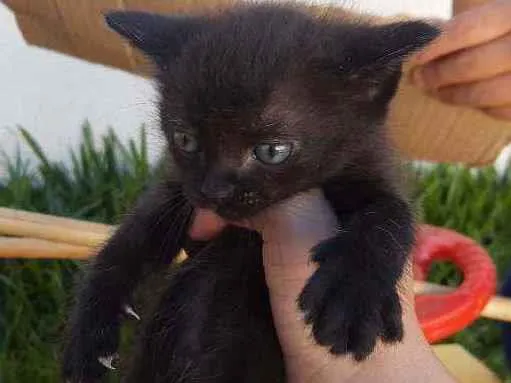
(469, 65)
(468, 29)
(492, 93)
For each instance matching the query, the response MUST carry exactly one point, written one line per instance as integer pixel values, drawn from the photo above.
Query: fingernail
(109, 361)
(130, 312)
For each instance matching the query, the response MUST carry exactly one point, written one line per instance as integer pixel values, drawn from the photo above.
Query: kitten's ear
(378, 54)
(159, 37)
(391, 44)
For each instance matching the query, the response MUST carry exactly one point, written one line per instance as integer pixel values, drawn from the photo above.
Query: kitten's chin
(237, 214)
(231, 216)
(228, 211)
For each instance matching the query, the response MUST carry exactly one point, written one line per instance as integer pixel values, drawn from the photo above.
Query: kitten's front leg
(352, 299)
(148, 238)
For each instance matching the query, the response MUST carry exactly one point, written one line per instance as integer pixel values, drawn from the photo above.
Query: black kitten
(257, 104)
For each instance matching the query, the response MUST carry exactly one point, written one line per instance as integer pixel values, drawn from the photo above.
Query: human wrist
(411, 360)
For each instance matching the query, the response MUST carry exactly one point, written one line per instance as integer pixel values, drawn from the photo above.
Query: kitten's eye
(272, 154)
(185, 141)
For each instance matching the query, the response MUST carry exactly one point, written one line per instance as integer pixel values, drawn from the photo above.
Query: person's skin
(470, 63)
(289, 231)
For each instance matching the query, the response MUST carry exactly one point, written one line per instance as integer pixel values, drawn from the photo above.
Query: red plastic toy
(443, 315)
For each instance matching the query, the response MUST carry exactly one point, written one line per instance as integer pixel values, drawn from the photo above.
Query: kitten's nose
(216, 189)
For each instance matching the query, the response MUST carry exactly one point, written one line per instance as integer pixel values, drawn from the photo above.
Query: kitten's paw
(92, 349)
(349, 306)
(391, 313)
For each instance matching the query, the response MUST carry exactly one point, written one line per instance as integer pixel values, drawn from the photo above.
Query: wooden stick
(53, 220)
(41, 249)
(50, 232)
(421, 287)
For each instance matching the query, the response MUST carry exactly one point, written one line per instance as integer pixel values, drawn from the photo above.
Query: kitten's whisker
(187, 211)
(388, 56)
(169, 207)
(177, 227)
(391, 236)
(170, 233)
(174, 204)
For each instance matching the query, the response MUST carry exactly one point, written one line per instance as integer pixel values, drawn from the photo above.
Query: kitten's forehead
(232, 67)
(235, 62)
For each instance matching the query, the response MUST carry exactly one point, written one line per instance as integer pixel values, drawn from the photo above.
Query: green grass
(104, 179)
(102, 182)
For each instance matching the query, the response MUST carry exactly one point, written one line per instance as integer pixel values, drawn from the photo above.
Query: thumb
(289, 232)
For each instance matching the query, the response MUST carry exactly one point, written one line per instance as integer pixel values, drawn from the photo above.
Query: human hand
(289, 231)
(469, 64)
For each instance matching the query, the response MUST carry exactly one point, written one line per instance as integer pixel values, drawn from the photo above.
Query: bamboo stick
(33, 248)
(421, 287)
(41, 249)
(498, 308)
(46, 219)
(50, 232)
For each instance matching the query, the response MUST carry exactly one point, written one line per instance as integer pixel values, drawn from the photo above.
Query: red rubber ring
(444, 315)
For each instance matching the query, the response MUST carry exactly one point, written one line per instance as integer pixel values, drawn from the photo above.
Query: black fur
(223, 331)
(257, 75)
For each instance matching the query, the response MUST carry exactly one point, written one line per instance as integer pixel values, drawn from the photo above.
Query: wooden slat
(32, 248)
(179, 6)
(13, 227)
(463, 366)
(431, 130)
(52, 220)
(45, 9)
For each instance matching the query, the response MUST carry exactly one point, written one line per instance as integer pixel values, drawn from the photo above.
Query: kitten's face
(264, 102)
(238, 160)
(238, 174)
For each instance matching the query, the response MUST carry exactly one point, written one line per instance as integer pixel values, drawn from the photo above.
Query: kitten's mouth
(207, 224)
(228, 211)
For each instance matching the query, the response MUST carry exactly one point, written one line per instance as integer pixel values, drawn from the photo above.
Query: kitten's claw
(108, 361)
(130, 312)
